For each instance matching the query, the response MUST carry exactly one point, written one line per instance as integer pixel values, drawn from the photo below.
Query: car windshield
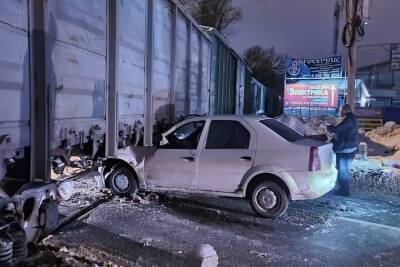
(283, 130)
(186, 136)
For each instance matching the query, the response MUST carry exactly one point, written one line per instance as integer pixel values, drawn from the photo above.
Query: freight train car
(158, 59)
(255, 98)
(83, 78)
(231, 80)
(227, 76)
(87, 77)
(27, 201)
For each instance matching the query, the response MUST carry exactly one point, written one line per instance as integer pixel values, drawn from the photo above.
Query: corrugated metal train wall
(15, 106)
(77, 70)
(72, 71)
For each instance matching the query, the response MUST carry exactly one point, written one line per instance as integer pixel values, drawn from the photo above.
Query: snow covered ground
(160, 230)
(381, 171)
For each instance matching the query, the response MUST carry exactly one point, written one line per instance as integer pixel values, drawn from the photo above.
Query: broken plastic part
(66, 190)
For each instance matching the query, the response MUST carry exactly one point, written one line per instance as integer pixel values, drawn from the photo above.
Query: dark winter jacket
(346, 135)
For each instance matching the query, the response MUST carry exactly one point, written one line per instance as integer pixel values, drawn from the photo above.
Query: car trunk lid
(325, 152)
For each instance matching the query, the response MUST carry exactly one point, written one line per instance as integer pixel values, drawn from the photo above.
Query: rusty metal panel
(194, 70)
(132, 55)
(80, 23)
(162, 58)
(181, 65)
(14, 84)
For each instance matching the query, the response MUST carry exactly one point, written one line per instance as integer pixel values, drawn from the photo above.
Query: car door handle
(246, 158)
(187, 159)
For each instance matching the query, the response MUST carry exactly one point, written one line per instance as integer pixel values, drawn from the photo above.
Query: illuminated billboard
(312, 93)
(330, 67)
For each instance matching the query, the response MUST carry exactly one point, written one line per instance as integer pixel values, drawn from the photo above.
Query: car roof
(221, 117)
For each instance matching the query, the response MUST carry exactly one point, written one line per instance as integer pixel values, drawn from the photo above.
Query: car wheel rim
(121, 182)
(267, 198)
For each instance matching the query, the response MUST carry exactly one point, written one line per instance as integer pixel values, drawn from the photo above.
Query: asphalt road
(362, 230)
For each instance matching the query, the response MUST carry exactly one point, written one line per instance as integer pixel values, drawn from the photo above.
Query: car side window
(227, 135)
(185, 137)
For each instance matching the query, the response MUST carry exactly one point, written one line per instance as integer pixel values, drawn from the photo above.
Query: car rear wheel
(269, 200)
(122, 182)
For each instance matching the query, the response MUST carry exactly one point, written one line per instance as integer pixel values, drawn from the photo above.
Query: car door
(173, 165)
(228, 154)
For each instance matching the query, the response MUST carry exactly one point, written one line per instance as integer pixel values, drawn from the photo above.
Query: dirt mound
(387, 135)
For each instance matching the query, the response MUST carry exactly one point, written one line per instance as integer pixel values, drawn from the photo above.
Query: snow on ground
(315, 232)
(371, 176)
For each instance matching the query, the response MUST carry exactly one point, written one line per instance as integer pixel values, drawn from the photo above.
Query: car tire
(269, 200)
(122, 182)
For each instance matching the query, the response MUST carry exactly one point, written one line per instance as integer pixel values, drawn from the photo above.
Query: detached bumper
(319, 183)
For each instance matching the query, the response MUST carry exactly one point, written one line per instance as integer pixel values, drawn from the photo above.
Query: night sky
(304, 28)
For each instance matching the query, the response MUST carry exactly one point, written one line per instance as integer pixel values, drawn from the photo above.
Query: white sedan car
(251, 157)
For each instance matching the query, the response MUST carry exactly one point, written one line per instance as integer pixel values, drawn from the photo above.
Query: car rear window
(283, 130)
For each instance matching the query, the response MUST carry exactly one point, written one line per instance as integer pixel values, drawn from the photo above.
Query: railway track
(81, 212)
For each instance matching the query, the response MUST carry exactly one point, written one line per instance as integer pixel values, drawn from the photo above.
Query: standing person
(345, 144)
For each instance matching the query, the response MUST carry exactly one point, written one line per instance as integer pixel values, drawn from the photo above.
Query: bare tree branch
(267, 66)
(219, 14)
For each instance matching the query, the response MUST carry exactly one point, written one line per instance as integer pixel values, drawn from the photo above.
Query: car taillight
(314, 162)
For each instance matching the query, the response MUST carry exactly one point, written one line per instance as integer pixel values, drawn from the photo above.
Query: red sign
(369, 113)
(311, 93)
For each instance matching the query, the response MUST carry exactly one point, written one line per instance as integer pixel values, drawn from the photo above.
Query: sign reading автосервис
(330, 67)
(395, 57)
(311, 93)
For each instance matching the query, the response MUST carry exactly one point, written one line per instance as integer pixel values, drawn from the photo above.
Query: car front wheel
(122, 182)
(269, 200)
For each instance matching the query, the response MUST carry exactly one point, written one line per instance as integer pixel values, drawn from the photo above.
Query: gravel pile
(368, 176)
(388, 135)
(389, 129)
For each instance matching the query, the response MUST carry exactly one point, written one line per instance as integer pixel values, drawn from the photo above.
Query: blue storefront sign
(330, 67)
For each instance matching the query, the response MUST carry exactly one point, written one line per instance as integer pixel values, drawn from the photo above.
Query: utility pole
(351, 75)
(336, 20)
(356, 16)
(351, 60)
